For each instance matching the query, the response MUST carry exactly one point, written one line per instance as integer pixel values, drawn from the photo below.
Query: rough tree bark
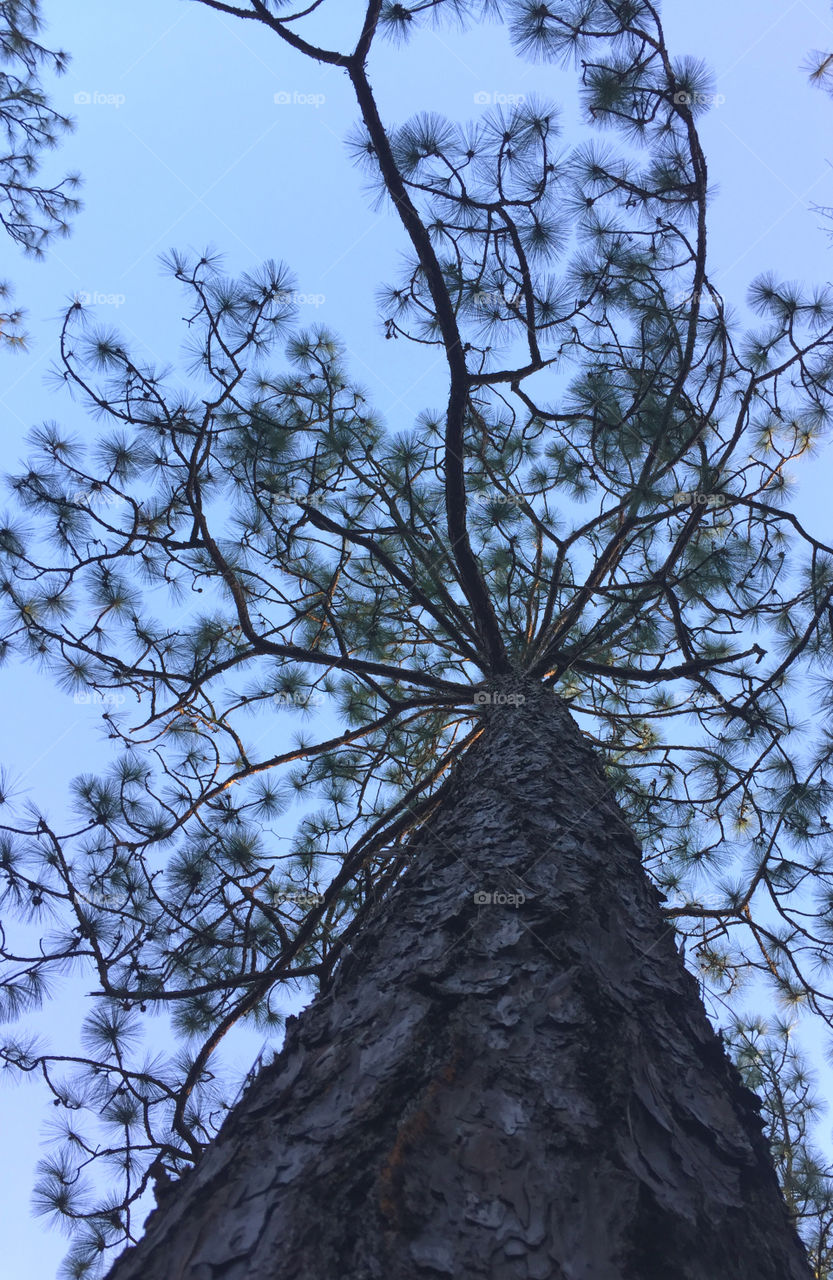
(526, 1091)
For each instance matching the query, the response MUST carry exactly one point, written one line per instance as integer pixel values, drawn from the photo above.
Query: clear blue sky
(181, 143)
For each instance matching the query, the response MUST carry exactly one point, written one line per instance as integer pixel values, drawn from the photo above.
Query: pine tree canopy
(30, 213)
(282, 600)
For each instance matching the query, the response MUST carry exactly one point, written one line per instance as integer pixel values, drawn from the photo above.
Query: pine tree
(593, 530)
(30, 213)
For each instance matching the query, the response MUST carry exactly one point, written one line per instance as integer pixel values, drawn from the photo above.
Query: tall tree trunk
(525, 1090)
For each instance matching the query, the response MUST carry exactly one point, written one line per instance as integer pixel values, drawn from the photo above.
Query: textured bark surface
(526, 1091)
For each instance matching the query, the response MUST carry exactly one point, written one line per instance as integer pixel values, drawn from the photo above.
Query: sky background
(182, 144)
